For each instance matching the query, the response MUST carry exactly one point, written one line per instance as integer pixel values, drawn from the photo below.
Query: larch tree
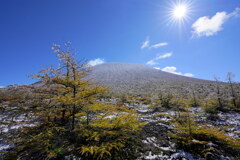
(72, 120)
(218, 93)
(230, 76)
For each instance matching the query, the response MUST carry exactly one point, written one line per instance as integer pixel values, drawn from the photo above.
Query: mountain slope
(138, 77)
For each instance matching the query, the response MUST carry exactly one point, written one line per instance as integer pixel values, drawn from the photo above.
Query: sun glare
(180, 11)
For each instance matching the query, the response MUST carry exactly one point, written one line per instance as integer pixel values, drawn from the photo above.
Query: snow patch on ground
(143, 108)
(4, 147)
(182, 154)
(155, 156)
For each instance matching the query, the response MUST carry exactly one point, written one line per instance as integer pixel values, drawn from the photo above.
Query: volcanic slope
(132, 78)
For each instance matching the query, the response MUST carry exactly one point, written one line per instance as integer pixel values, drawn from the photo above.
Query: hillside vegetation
(118, 111)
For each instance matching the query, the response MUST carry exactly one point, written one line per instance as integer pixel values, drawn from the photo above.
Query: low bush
(205, 141)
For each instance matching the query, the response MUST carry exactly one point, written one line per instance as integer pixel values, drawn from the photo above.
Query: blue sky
(205, 44)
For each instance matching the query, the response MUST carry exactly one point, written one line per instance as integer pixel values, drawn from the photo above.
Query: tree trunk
(74, 109)
(74, 95)
(73, 117)
(233, 95)
(63, 116)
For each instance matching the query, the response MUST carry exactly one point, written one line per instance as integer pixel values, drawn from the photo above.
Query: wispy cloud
(151, 62)
(145, 44)
(95, 62)
(159, 45)
(208, 26)
(158, 57)
(165, 55)
(172, 69)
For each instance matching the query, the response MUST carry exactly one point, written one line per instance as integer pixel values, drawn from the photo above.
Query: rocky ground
(156, 142)
(158, 145)
(10, 124)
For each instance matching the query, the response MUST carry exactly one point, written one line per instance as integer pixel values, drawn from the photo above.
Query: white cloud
(2, 87)
(151, 62)
(158, 68)
(95, 62)
(208, 26)
(172, 69)
(159, 45)
(145, 43)
(169, 69)
(165, 55)
(188, 74)
(158, 57)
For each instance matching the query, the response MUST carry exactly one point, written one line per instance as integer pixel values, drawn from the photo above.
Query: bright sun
(180, 11)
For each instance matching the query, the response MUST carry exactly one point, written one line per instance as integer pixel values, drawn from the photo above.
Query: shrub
(203, 140)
